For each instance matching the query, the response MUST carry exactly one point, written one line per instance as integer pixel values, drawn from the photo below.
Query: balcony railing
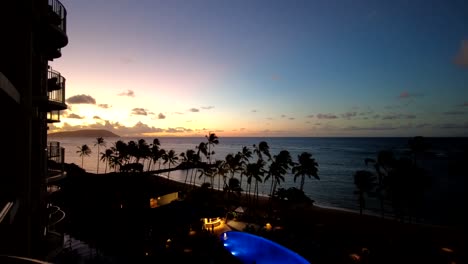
(58, 15)
(55, 30)
(56, 160)
(53, 116)
(56, 89)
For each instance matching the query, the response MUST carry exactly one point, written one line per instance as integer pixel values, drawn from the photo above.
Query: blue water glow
(254, 249)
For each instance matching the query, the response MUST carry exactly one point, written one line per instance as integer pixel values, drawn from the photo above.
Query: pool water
(254, 249)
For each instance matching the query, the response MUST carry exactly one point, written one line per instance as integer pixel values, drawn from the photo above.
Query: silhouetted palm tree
(262, 149)
(212, 140)
(105, 156)
(143, 151)
(365, 183)
(278, 168)
(99, 142)
(244, 159)
(254, 171)
(171, 158)
(307, 166)
(154, 153)
(84, 150)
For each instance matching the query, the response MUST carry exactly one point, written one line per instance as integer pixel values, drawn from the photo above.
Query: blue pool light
(254, 249)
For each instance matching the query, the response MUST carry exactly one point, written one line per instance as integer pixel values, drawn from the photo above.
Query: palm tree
(212, 140)
(365, 183)
(278, 168)
(262, 149)
(154, 152)
(105, 156)
(254, 171)
(99, 142)
(143, 151)
(307, 166)
(84, 150)
(171, 158)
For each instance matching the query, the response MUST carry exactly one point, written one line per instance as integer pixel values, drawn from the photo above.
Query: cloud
(398, 116)
(161, 116)
(349, 115)
(253, 111)
(283, 116)
(465, 104)
(74, 116)
(97, 117)
(177, 130)
(128, 93)
(81, 99)
(291, 118)
(326, 116)
(461, 59)
(207, 107)
(139, 111)
(126, 60)
(453, 126)
(178, 113)
(275, 77)
(194, 110)
(310, 116)
(377, 127)
(105, 106)
(407, 95)
(454, 113)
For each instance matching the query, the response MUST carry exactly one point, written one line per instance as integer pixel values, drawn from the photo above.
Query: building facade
(33, 32)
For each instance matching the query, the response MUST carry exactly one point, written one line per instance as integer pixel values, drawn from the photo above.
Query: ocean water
(338, 160)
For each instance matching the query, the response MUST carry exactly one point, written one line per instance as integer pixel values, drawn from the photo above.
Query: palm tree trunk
(97, 170)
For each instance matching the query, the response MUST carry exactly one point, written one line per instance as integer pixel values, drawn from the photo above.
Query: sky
(266, 68)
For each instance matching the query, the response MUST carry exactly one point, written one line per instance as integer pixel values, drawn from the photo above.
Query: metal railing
(55, 86)
(53, 116)
(5, 210)
(59, 10)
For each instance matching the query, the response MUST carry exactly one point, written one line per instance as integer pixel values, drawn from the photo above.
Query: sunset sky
(266, 68)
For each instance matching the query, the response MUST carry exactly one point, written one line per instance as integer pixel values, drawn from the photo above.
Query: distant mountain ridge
(84, 133)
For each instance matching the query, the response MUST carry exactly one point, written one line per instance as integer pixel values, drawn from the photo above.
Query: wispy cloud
(275, 77)
(105, 106)
(74, 116)
(128, 93)
(407, 95)
(253, 111)
(81, 99)
(207, 107)
(292, 118)
(398, 116)
(161, 116)
(349, 115)
(310, 116)
(326, 116)
(453, 126)
(177, 130)
(454, 113)
(139, 111)
(97, 117)
(461, 59)
(126, 60)
(194, 110)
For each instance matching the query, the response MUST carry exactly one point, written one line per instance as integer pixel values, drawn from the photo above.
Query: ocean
(338, 159)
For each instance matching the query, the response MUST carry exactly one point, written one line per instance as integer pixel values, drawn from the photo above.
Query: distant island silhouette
(84, 133)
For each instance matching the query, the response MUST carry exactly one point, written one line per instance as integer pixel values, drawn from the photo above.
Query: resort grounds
(111, 213)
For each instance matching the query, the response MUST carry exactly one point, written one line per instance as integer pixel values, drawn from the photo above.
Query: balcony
(56, 162)
(53, 116)
(55, 29)
(56, 91)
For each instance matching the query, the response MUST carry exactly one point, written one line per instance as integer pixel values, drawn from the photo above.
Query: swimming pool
(254, 249)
